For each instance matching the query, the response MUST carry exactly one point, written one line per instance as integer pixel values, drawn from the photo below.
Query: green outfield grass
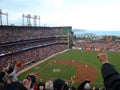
(88, 57)
(66, 71)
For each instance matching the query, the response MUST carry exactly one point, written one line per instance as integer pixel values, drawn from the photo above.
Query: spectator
(85, 85)
(58, 84)
(15, 86)
(2, 87)
(41, 85)
(9, 81)
(73, 88)
(32, 79)
(2, 75)
(66, 86)
(11, 75)
(27, 83)
(49, 85)
(110, 74)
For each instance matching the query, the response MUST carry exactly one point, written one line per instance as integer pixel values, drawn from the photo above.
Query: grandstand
(31, 44)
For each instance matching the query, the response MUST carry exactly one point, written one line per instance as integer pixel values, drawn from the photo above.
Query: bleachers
(30, 43)
(95, 45)
(17, 33)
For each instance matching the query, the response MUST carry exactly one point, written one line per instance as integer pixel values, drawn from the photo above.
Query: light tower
(23, 19)
(28, 19)
(28, 16)
(3, 12)
(35, 20)
(35, 17)
(39, 20)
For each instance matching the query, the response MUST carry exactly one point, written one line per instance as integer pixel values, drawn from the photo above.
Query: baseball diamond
(72, 67)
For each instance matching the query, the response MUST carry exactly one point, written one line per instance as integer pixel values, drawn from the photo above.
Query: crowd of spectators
(96, 45)
(12, 34)
(27, 45)
(33, 54)
(22, 43)
(17, 47)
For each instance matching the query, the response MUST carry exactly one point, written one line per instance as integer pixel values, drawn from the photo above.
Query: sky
(80, 14)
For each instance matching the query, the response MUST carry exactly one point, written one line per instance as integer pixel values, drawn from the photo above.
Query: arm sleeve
(111, 76)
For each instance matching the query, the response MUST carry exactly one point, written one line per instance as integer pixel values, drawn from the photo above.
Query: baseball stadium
(54, 52)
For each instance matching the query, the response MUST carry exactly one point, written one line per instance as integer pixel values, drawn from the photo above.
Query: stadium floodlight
(23, 19)
(35, 20)
(28, 16)
(3, 12)
(22, 15)
(0, 11)
(39, 20)
(0, 17)
(38, 17)
(35, 17)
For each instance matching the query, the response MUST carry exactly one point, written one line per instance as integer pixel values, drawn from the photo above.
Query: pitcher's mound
(56, 70)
